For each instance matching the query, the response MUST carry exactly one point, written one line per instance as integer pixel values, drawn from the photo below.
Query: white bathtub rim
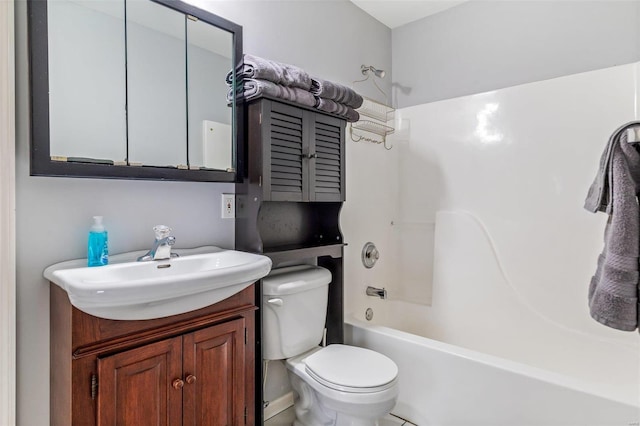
(493, 361)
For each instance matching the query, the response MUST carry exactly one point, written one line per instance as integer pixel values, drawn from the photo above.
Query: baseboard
(278, 405)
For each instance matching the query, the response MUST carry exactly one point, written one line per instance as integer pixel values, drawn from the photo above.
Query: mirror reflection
(87, 97)
(138, 83)
(156, 82)
(209, 116)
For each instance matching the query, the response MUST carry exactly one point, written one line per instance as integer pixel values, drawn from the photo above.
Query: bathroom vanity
(192, 368)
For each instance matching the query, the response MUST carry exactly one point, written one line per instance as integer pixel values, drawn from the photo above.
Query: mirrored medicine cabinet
(133, 89)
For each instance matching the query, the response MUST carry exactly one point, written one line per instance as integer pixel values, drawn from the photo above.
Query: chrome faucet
(379, 292)
(161, 249)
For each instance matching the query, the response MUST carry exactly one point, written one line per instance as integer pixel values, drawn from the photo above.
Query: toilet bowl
(334, 385)
(342, 385)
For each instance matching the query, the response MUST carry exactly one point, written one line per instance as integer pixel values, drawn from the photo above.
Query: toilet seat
(351, 369)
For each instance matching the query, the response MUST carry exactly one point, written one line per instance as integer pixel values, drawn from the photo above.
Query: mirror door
(210, 119)
(156, 85)
(87, 90)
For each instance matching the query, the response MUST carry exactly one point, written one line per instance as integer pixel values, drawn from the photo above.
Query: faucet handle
(162, 231)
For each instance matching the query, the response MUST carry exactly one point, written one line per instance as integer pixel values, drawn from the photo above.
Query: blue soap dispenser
(98, 248)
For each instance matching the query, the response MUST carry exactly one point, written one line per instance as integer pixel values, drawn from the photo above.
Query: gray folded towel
(613, 291)
(336, 92)
(275, 72)
(333, 107)
(252, 88)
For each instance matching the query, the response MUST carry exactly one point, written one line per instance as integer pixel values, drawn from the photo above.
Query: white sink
(130, 290)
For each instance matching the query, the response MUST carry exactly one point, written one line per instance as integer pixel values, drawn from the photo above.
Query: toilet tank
(294, 310)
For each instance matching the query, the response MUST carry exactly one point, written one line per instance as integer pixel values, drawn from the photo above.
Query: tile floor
(286, 418)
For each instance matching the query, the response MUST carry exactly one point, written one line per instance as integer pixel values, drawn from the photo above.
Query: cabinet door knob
(177, 384)
(190, 379)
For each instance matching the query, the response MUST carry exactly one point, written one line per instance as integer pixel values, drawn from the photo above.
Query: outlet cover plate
(228, 203)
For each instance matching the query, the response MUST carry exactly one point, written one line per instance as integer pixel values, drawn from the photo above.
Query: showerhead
(378, 73)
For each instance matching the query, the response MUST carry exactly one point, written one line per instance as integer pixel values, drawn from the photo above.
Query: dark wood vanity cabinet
(298, 153)
(191, 369)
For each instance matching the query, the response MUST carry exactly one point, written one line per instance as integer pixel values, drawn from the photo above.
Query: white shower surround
(503, 175)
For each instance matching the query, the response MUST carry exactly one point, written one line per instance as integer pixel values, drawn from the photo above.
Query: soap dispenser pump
(98, 248)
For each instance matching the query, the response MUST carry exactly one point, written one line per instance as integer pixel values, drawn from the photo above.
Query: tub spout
(380, 292)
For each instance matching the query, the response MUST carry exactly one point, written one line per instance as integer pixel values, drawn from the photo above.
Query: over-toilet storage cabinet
(303, 158)
(289, 198)
(195, 368)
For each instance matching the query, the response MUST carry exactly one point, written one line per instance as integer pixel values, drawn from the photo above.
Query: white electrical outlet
(228, 206)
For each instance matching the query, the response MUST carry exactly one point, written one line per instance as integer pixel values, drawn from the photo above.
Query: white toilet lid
(351, 369)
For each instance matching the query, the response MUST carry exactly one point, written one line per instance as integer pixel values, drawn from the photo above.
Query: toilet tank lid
(294, 279)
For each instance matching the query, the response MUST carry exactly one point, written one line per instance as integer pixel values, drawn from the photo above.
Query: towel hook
(633, 133)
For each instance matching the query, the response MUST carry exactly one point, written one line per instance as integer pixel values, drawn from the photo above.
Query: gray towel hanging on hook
(613, 291)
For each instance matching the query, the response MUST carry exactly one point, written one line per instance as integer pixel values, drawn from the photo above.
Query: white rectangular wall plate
(228, 203)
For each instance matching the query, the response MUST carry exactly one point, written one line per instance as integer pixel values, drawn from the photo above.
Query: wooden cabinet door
(136, 386)
(326, 167)
(284, 152)
(302, 153)
(214, 366)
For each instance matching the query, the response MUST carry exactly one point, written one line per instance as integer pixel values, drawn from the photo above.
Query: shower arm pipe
(366, 69)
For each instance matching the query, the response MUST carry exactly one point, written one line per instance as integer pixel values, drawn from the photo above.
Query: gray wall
(486, 45)
(54, 214)
(330, 39)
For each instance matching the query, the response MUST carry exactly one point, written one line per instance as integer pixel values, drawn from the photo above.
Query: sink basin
(130, 290)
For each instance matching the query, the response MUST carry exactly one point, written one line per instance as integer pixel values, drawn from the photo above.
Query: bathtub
(447, 385)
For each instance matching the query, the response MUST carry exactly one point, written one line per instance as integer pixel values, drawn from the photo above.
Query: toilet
(335, 385)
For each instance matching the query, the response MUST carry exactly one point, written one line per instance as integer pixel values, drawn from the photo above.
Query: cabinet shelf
(297, 251)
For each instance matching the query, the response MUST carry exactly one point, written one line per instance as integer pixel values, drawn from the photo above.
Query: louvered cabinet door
(326, 166)
(285, 174)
